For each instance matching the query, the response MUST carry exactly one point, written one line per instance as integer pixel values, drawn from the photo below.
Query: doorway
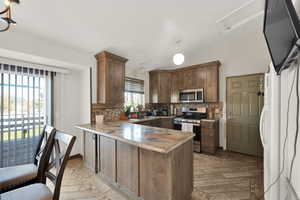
(245, 100)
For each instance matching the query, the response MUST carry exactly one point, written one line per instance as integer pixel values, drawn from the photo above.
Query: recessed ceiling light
(178, 59)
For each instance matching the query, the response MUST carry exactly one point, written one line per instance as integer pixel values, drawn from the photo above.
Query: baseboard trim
(76, 156)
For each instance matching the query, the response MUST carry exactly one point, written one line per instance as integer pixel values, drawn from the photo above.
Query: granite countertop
(149, 118)
(151, 138)
(210, 120)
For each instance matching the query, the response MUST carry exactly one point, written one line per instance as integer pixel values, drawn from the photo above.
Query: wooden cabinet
(209, 136)
(160, 86)
(211, 92)
(165, 85)
(160, 123)
(108, 158)
(89, 150)
(166, 123)
(176, 86)
(189, 79)
(128, 167)
(110, 78)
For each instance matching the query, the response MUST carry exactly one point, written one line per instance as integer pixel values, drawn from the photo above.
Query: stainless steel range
(191, 118)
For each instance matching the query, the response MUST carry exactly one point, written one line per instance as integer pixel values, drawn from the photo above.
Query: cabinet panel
(164, 87)
(209, 136)
(175, 87)
(212, 84)
(160, 87)
(110, 77)
(188, 79)
(128, 167)
(108, 158)
(153, 87)
(200, 75)
(89, 151)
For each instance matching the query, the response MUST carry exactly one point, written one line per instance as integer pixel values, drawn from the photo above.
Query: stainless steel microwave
(191, 96)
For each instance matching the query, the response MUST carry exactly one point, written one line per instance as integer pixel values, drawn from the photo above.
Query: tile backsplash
(214, 110)
(110, 113)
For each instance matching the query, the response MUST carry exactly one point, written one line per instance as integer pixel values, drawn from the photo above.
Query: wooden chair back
(62, 146)
(43, 151)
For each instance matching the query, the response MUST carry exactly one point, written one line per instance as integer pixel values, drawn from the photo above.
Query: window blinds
(25, 101)
(134, 85)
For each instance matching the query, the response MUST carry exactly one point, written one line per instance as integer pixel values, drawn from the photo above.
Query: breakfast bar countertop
(160, 140)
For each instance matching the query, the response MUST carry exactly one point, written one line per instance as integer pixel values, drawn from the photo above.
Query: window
(24, 110)
(134, 92)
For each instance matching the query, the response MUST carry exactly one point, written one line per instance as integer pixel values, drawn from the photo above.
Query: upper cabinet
(211, 91)
(160, 86)
(165, 85)
(110, 78)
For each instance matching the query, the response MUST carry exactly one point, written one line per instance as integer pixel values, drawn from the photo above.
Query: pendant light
(178, 58)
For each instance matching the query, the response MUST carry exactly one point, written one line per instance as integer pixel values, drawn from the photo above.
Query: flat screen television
(282, 31)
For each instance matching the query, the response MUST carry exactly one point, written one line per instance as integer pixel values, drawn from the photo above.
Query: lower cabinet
(160, 123)
(89, 150)
(108, 158)
(167, 176)
(209, 136)
(128, 167)
(147, 174)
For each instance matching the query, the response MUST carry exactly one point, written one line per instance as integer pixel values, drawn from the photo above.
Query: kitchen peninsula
(146, 162)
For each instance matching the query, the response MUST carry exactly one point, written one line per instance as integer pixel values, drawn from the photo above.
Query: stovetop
(191, 117)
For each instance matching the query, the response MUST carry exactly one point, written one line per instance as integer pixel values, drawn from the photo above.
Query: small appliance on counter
(190, 121)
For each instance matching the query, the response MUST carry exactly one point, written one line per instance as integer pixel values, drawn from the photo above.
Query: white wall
(72, 104)
(32, 48)
(72, 94)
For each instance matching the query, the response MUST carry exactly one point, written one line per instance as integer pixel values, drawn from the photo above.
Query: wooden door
(244, 105)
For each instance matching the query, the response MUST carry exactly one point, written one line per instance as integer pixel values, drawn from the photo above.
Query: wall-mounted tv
(282, 31)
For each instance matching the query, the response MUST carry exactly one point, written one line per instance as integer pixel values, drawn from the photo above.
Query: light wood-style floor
(226, 176)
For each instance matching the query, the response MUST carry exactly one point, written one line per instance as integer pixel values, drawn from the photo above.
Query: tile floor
(226, 176)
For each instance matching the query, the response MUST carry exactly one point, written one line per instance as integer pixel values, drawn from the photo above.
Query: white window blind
(25, 107)
(134, 92)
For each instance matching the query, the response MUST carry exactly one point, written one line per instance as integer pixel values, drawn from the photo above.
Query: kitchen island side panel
(167, 176)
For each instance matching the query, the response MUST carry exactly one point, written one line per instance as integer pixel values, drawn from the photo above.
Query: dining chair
(62, 147)
(20, 175)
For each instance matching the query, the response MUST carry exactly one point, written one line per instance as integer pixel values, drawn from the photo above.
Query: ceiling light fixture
(6, 12)
(178, 59)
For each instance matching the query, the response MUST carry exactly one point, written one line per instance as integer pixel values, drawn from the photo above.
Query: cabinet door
(175, 87)
(164, 87)
(200, 76)
(89, 150)
(180, 81)
(108, 158)
(153, 77)
(128, 167)
(188, 79)
(211, 93)
(166, 123)
(115, 83)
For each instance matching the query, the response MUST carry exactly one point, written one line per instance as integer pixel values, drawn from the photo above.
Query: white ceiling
(143, 31)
